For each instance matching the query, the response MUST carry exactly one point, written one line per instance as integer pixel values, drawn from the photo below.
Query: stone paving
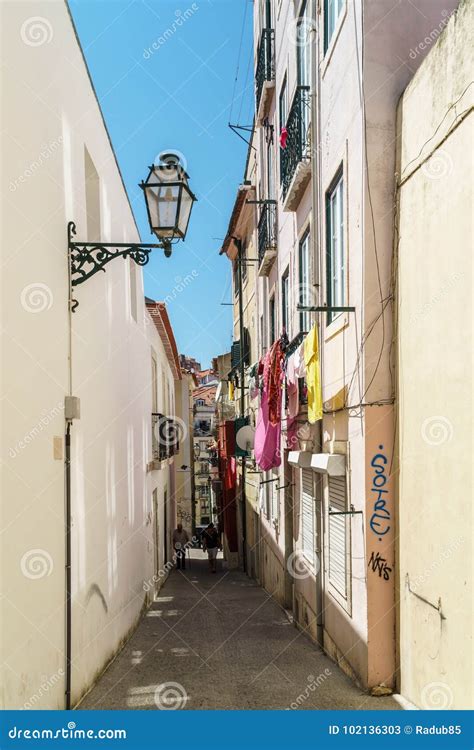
(220, 642)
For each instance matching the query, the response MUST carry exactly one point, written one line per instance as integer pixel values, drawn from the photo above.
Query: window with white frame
(335, 251)
(304, 279)
(332, 11)
(303, 47)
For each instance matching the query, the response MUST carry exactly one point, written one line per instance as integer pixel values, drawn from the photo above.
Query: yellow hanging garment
(231, 390)
(313, 376)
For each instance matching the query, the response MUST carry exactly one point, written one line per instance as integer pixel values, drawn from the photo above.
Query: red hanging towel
(283, 137)
(275, 375)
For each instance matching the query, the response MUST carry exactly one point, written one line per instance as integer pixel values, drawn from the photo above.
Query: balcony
(264, 73)
(165, 437)
(295, 158)
(267, 238)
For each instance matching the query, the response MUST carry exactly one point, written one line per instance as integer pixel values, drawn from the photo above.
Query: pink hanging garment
(267, 436)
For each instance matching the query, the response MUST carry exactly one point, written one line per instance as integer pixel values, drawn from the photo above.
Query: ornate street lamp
(169, 202)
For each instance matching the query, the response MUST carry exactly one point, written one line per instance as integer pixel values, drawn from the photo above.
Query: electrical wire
(238, 61)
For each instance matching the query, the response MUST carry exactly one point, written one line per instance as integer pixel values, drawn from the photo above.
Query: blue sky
(158, 93)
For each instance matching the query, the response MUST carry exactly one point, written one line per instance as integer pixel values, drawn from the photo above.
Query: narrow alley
(221, 642)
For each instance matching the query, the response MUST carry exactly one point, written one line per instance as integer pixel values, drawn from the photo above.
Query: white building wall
(434, 346)
(51, 118)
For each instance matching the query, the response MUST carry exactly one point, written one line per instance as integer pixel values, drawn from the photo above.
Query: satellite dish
(245, 437)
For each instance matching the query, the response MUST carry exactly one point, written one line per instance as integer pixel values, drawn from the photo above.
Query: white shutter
(338, 535)
(307, 514)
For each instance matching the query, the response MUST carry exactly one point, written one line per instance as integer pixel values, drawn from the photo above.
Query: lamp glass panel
(185, 211)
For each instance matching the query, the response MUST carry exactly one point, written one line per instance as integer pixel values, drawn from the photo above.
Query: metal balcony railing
(298, 137)
(265, 70)
(267, 236)
(165, 437)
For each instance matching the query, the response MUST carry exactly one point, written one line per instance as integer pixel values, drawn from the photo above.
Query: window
(283, 104)
(244, 256)
(303, 47)
(303, 64)
(204, 467)
(339, 537)
(335, 260)
(235, 269)
(154, 385)
(304, 283)
(274, 500)
(262, 337)
(272, 320)
(332, 11)
(200, 402)
(268, 14)
(270, 172)
(307, 515)
(285, 310)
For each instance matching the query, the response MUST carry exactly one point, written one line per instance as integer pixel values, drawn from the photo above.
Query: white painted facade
(59, 166)
(435, 386)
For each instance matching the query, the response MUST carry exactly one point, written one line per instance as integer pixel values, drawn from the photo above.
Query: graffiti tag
(379, 565)
(380, 518)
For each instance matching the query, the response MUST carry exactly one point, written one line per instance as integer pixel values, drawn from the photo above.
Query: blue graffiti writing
(380, 518)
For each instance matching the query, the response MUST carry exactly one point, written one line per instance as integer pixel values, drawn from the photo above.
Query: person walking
(211, 543)
(180, 540)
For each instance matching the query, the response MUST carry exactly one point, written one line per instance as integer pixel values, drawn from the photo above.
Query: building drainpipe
(68, 565)
(238, 243)
(316, 209)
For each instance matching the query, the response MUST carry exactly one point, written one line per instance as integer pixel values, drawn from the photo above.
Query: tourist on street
(180, 540)
(211, 543)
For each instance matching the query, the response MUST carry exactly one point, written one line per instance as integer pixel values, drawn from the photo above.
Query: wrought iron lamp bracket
(87, 258)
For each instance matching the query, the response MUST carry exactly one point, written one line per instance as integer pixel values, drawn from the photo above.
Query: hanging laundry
(231, 390)
(313, 376)
(292, 405)
(267, 435)
(273, 380)
(283, 137)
